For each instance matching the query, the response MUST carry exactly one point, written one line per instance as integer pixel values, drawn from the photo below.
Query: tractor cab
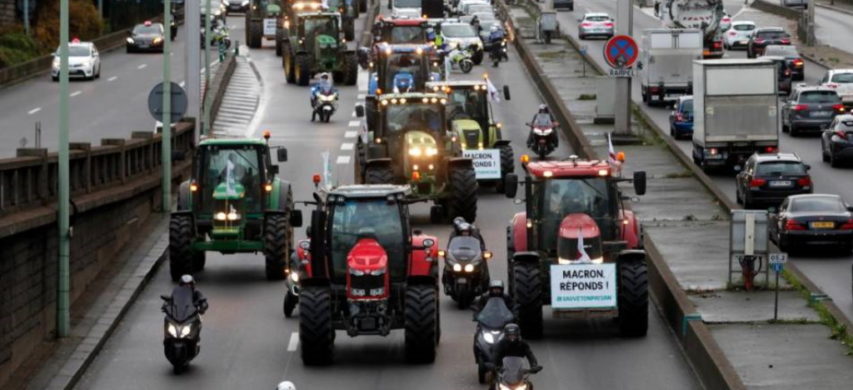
(469, 99)
(319, 32)
(400, 31)
(400, 68)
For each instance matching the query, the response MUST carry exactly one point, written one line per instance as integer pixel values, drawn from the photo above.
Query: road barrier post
(63, 315)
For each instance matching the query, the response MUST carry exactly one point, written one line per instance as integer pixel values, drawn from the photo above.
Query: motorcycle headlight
(130, 40)
(327, 98)
(489, 338)
(220, 216)
(185, 330)
(173, 330)
(478, 44)
(294, 276)
(503, 387)
(469, 267)
(415, 151)
(457, 267)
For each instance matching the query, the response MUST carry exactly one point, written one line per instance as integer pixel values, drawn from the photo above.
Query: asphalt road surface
(829, 271)
(248, 344)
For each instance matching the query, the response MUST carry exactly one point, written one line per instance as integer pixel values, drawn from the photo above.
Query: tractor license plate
(780, 183)
(822, 225)
(269, 26)
(461, 281)
(583, 286)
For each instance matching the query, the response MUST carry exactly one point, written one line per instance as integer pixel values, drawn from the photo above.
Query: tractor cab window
(313, 27)
(466, 103)
(408, 117)
(407, 34)
(557, 198)
(403, 71)
(377, 219)
(231, 172)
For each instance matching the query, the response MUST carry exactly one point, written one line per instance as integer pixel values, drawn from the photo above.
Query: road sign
(179, 102)
(777, 261)
(621, 52)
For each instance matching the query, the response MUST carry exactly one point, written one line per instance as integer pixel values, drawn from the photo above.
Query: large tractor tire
(303, 69)
(277, 241)
(527, 289)
(633, 299)
(181, 237)
(421, 322)
(378, 175)
(279, 42)
(316, 334)
(463, 193)
(254, 35)
(287, 64)
(199, 260)
(362, 5)
(507, 166)
(350, 71)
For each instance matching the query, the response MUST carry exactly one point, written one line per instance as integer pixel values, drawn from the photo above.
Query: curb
(834, 8)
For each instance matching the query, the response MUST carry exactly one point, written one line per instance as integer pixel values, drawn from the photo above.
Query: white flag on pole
(229, 179)
(494, 95)
(584, 257)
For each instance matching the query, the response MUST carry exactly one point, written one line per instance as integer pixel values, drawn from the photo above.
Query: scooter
(324, 103)
(299, 261)
(490, 325)
(182, 328)
(498, 52)
(461, 58)
(544, 140)
(466, 273)
(513, 375)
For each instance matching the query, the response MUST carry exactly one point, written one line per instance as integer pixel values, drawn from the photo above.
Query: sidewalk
(690, 232)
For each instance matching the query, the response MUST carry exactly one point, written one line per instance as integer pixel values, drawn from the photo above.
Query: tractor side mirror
(511, 185)
(296, 218)
(640, 182)
(281, 154)
(274, 169)
(850, 209)
(506, 92)
(359, 111)
(808, 167)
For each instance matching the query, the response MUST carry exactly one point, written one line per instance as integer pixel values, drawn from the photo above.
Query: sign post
(622, 102)
(777, 262)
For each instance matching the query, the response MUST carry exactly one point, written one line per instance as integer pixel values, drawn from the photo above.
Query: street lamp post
(166, 140)
(63, 315)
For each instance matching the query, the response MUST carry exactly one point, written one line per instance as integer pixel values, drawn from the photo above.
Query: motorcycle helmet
(512, 332)
(286, 385)
(494, 28)
(543, 109)
(465, 229)
(187, 280)
(496, 288)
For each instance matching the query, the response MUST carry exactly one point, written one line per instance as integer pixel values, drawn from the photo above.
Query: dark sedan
(767, 179)
(836, 142)
(810, 108)
(681, 118)
(814, 219)
(146, 37)
(792, 58)
(783, 74)
(762, 37)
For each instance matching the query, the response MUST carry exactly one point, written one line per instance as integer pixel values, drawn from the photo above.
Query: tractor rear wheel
(254, 34)
(180, 246)
(279, 42)
(421, 321)
(378, 175)
(287, 63)
(303, 69)
(527, 291)
(276, 246)
(507, 166)
(199, 260)
(315, 326)
(633, 299)
(463, 193)
(350, 69)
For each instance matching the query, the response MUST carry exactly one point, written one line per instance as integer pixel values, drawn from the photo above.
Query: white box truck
(736, 111)
(667, 57)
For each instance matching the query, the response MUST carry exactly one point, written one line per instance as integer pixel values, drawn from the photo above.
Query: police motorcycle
(490, 331)
(182, 326)
(460, 58)
(466, 272)
(324, 102)
(513, 375)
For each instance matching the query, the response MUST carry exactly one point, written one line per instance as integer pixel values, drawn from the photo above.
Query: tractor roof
(401, 21)
(370, 191)
(413, 97)
(569, 168)
(456, 83)
(389, 48)
(232, 141)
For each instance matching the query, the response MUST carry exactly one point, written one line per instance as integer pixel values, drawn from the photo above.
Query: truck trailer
(666, 59)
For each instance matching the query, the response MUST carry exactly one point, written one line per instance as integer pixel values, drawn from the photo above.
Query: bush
(16, 47)
(84, 23)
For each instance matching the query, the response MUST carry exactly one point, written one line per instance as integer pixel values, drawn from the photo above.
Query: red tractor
(368, 273)
(576, 247)
(396, 31)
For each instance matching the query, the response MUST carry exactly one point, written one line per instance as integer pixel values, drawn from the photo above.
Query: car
(737, 36)
(471, 8)
(795, 3)
(595, 24)
(462, 4)
(812, 219)
(84, 61)
(836, 142)
(725, 22)
(564, 4)
(763, 36)
(783, 74)
(681, 118)
(146, 36)
(767, 179)
(792, 58)
(463, 34)
(810, 108)
(841, 80)
(232, 6)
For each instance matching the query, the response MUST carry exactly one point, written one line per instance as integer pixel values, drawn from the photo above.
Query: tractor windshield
(407, 34)
(371, 218)
(465, 103)
(319, 25)
(554, 199)
(230, 173)
(404, 71)
(418, 116)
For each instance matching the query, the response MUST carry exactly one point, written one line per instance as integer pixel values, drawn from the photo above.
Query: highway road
(248, 344)
(830, 272)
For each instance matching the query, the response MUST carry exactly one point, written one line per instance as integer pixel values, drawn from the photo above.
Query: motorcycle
(218, 35)
(298, 260)
(498, 52)
(544, 139)
(490, 324)
(324, 103)
(466, 273)
(182, 328)
(461, 58)
(513, 375)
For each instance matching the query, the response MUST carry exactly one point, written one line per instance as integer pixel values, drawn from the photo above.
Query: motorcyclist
(513, 345)
(475, 22)
(436, 39)
(322, 85)
(199, 300)
(463, 228)
(496, 290)
(286, 385)
(542, 116)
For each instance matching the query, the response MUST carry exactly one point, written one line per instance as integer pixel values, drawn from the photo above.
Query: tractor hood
(421, 144)
(224, 191)
(579, 240)
(367, 256)
(469, 133)
(324, 41)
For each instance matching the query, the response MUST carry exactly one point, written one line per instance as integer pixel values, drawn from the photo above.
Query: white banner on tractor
(269, 26)
(583, 286)
(487, 162)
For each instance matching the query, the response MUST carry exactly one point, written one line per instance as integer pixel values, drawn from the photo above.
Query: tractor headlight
(220, 216)
(173, 330)
(469, 268)
(431, 151)
(357, 292)
(233, 216)
(377, 272)
(294, 276)
(355, 272)
(457, 267)
(415, 151)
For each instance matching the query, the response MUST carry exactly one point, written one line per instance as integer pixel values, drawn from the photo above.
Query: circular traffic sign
(621, 52)
(178, 102)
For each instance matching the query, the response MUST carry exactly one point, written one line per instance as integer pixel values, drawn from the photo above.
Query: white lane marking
(362, 81)
(34, 110)
(112, 78)
(354, 115)
(354, 123)
(142, 66)
(75, 93)
(294, 342)
(182, 83)
(350, 134)
(346, 146)
(343, 160)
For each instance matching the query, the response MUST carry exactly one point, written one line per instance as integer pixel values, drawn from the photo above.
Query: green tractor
(470, 117)
(234, 203)
(263, 21)
(410, 144)
(311, 44)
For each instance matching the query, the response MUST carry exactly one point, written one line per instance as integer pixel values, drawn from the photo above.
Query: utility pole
(192, 17)
(63, 314)
(205, 101)
(166, 140)
(811, 40)
(622, 99)
(27, 17)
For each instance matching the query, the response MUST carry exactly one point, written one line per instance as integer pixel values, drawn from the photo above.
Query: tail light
(798, 62)
(718, 45)
(756, 183)
(713, 151)
(847, 225)
(608, 24)
(804, 181)
(586, 24)
(787, 72)
(801, 107)
(770, 149)
(654, 89)
(679, 117)
(840, 134)
(793, 224)
(838, 107)
(785, 41)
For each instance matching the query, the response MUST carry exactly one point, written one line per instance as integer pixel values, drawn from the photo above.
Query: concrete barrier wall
(777, 9)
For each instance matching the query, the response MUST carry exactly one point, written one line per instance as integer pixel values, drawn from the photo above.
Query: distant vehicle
(405, 8)
(666, 63)
(792, 59)
(764, 36)
(738, 35)
(595, 24)
(783, 74)
(810, 108)
(463, 34)
(725, 22)
(836, 142)
(814, 219)
(83, 61)
(473, 7)
(564, 4)
(841, 80)
(681, 118)
(146, 36)
(704, 15)
(767, 179)
(231, 6)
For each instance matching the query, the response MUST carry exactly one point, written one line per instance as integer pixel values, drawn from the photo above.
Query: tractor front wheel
(463, 193)
(421, 321)
(378, 175)
(181, 237)
(287, 63)
(276, 246)
(254, 34)
(350, 69)
(527, 291)
(279, 42)
(303, 69)
(507, 166)
(315, 326)
(633, 299)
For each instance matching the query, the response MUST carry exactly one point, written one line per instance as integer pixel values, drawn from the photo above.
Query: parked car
(595, 24)
(564, 4)
(841, 80)
(810, 108)
(783, 74)
(766, 36)
(738, 35)
(791, 56)
(681, 118)
(767, 179)
(836, 142)
(813, 219)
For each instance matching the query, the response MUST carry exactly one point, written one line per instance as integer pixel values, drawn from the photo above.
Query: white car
(83, 61)
(405, 8)
(463, 35)
(738, 34)
(465, 3)
(471, 8)
(841, 80)
(595, 24)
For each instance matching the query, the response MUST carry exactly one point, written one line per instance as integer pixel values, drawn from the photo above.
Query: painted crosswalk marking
(343, 159)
